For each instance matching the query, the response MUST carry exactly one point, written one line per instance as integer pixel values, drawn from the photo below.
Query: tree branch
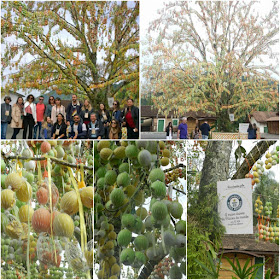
(174, 167)
(256, 153)
(62, 162)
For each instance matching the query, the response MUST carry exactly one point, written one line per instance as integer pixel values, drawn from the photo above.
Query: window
(175, 122)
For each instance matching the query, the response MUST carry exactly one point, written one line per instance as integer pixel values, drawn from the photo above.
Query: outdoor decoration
(41, 236)
(137, 223)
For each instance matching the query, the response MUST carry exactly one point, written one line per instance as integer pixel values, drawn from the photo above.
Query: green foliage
(245, 272)
(268, 275)
(213, 272)
(204, 231)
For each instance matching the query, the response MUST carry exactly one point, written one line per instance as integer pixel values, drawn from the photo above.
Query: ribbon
(82, 217)
(39, 172)
(19, 166)
(28, 244)
(50, 195)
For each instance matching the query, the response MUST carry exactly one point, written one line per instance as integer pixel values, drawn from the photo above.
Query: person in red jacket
(40, 112)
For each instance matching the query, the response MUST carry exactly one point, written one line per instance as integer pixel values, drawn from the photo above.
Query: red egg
(42, 196)
(45, 147)
(41, 220)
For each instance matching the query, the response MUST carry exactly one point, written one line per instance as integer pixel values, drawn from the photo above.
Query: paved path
(155, 135)
(162, 135)
(269, 136)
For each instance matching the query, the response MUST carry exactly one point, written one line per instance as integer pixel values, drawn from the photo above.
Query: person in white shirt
(57, 109)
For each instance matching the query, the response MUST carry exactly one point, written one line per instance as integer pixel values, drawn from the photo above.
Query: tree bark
(256, 153)
(216, 164)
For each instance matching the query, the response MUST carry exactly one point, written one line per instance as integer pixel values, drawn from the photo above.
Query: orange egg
(41, 220)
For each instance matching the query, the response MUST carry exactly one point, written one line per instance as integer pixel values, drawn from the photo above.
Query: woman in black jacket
(59, 128)
(105, 118)
(169, 131)
(131, 120)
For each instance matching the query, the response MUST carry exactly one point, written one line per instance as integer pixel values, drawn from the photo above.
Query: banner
(243, 127)
(235, 206)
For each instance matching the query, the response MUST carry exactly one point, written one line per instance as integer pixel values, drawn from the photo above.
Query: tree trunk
(223, 122)
(215, 165)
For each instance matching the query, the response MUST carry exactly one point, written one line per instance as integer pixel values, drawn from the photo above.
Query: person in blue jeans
(183, 129)
(6, 116)
(205, 128)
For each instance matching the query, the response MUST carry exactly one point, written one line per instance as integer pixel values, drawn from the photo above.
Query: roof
(65, 99)
(16, 93)
(262, 117)
(247, 242)
(273, 119)
(149, 111)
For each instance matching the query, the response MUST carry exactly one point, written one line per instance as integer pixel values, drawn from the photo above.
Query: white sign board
(231, 117)
(235, 206)
(110, 101)
(243, 127)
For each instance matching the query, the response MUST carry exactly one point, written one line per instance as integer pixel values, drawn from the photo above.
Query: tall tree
(205, 230)
(89, 48)
(213, 56)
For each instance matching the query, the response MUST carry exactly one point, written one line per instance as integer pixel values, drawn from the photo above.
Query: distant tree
(212, 56)
(71, 47)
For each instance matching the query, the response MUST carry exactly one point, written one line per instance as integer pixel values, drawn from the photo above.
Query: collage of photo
(140, 139)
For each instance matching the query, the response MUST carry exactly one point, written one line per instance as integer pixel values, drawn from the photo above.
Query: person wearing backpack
(40, 112)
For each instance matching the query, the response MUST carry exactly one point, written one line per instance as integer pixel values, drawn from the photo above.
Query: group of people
(77, 121)
(182, 133)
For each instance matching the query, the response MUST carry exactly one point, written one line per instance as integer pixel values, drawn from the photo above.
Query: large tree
(205, 230)
(214, 56)
(89, 48)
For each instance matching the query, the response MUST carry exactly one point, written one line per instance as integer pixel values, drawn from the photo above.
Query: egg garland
(259, 168)
(267, 229)
(124, 221)
(27, 198)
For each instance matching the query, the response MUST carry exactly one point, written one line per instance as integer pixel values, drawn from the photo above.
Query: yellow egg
(24, 193)
(63, 225)
(7, 199)
(87, 197)
(23, 213)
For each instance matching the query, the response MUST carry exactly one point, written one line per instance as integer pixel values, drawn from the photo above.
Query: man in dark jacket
(73, 109)
(95, 128)
(205, 128)
(77, 130)
(131, 119)
(6, 116)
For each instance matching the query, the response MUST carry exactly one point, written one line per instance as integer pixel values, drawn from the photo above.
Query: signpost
(243, 127)
(235, 206)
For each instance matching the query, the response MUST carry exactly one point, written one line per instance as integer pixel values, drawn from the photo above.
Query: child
(46, 132)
